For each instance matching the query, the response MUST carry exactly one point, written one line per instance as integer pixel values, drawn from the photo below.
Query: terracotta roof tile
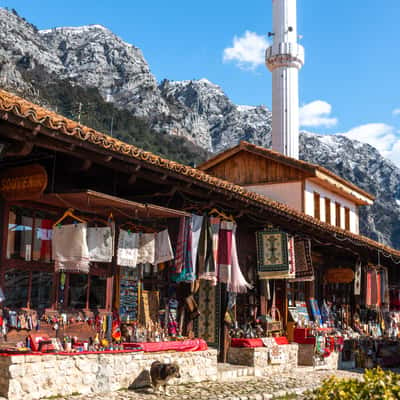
(27, 110)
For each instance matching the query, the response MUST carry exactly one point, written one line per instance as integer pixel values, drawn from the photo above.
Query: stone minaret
(284, 59)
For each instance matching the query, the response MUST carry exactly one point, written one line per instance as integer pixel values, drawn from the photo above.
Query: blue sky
(349, 84)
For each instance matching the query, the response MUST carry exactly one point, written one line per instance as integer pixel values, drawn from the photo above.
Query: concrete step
(230, 372)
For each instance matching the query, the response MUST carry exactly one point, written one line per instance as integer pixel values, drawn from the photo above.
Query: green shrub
(375, 385)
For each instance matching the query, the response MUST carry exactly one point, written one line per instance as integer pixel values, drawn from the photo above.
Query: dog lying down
(161, 373)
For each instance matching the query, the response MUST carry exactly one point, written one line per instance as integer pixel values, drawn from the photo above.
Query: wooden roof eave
(93, 142)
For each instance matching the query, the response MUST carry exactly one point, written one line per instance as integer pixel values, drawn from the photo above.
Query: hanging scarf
(127, 254)
(357, 279)
(70, 249)
(187, 272)
(225, 251)
(215, 223)
(196, 224)
(180, 245)
(205, 256)
(237, 282)
(164, 251)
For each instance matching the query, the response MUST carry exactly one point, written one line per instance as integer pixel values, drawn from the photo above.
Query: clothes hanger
(222, 215)
(128, 225)
(69, 213)
(100, 220)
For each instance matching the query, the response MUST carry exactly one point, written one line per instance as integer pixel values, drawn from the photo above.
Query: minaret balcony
(284, 54)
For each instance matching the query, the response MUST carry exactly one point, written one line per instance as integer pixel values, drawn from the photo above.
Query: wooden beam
(132, 179)
(19, 149)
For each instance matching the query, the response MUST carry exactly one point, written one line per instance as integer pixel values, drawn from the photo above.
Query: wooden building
(96, 174)
(306, 187)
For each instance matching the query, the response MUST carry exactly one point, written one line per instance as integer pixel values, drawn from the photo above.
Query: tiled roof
(274, 155)
(24, 109)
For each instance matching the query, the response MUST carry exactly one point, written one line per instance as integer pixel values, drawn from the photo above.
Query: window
(16, 288)
(327, 210)
(347, 218)
(30, 281)
(29, 236)
(87, 291)
(338, 215)
(317, 205)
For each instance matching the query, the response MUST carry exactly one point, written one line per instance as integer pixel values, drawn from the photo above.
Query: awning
(103, 204)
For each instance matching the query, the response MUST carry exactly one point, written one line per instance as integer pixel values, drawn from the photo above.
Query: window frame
(328, 216)
(41, 266)
(317, 205)
(338, 214)
(347, 218)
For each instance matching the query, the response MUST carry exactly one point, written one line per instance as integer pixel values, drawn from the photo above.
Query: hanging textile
(127, 254)
(357, 279)
(205, 254)
(386, 295)
(26, 238)
(181, 244)
(291, 257)
(272, 254)
(70, 249)
(373, 286)
(147, 247)
(187, 273)
(196, 224)
(237, 282)
(225, 251)
(100, 244)
(172, 324)
(304, 267)
(163, 250)
(378, 288)
(207, 326)
(215, 223)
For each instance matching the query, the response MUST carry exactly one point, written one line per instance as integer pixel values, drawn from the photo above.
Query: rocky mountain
(63, 67)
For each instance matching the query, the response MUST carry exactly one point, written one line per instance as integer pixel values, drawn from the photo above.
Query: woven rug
(272, 254)
(206, 326)
(304, 265)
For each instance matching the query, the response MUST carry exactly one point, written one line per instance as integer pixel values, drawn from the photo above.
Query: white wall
(289, 193)
(311, 187)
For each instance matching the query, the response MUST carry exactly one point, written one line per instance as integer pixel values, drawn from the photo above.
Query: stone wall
(259, 359)
(32, 377)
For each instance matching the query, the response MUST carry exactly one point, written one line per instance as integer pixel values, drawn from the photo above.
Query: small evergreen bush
(375, 385)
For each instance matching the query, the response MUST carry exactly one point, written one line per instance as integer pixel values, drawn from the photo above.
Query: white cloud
(396, 111)
(382, 136)
(379, 135)
(248, 51)
(317, 114)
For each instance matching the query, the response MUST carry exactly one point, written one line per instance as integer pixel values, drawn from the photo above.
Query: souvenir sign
(23, 183)
(339, 275)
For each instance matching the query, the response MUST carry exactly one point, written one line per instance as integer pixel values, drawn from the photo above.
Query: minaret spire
(284, 59)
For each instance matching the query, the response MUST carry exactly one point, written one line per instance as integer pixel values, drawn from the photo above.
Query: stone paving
(248, 388)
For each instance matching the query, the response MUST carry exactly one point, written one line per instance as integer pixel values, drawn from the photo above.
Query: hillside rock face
(92, 56)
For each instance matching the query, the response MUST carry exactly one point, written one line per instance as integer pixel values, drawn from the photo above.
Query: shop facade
(235, 291)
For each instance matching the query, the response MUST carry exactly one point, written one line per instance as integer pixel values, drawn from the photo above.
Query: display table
(179, 345)
(36, 376)
(282, 357)
(257, 342)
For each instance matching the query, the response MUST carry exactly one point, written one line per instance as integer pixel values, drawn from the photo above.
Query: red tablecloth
(182, 345)
(252, 343)
(246, 343)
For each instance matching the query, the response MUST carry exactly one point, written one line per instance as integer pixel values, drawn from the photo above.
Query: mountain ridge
(113, 76)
